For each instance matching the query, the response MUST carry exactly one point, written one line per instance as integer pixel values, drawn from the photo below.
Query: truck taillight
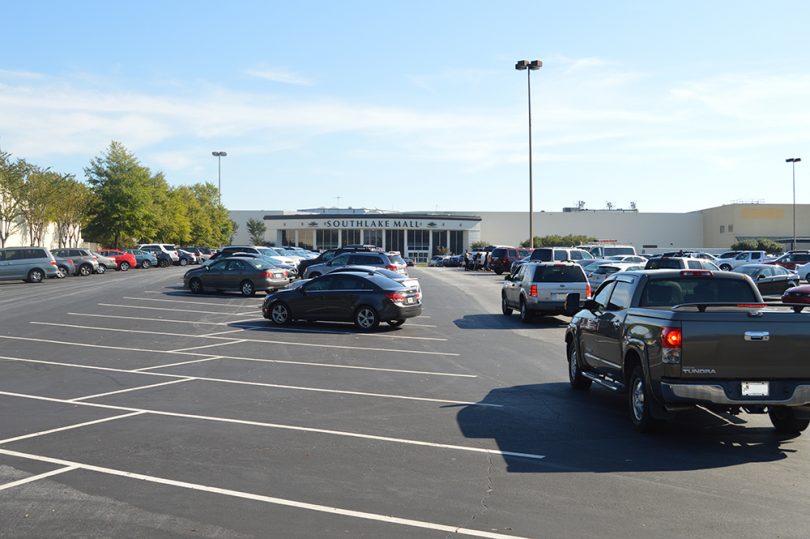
(671, 342)
(588, 290)
(391, 267)
(533, 291)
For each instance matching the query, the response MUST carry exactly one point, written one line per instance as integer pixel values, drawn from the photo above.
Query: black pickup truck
(673, 340)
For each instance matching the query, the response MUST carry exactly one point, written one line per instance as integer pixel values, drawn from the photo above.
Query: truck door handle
(757, 336)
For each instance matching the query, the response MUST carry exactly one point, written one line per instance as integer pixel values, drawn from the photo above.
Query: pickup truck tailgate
(746, 345)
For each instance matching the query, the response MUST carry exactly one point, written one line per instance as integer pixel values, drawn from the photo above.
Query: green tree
(760, 244)
(12, 175)
(234, 230)
(256, 229)
(73, 200)
(38, 199)
(123, 188)
(478, 245)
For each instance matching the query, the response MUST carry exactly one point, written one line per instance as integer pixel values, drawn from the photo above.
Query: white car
(598, 275)
(745, 257)
(635, 259)
(804, 272)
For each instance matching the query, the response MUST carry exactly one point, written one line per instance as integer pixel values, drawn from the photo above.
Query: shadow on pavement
(499, 321)
(589, 431)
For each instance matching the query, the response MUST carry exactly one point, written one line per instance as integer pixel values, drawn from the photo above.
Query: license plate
(560, 296)
(410, 301)
(754, 389)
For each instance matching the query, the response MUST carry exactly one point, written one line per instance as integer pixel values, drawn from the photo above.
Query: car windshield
(749, 270)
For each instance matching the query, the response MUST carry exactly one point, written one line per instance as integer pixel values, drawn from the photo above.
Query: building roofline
(373, 216)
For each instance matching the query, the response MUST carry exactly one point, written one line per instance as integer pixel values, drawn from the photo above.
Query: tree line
(121, 203)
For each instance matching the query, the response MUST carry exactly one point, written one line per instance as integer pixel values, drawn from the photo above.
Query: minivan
(32, 264)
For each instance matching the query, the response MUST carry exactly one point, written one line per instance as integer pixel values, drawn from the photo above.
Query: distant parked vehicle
(185, 257)
(359, 297)
(552, 254)
(167, 249)
(541, 288)
(770, 280)
(377, 259)
(603, 271)
(743, 258)
(123, 260)
(679, 262)
(797, 294)
(792, 260)
(104, 262)
(32, 264)
(66, 267)
(143, 259)
(86, 262)
(247, 275)
(607, 249)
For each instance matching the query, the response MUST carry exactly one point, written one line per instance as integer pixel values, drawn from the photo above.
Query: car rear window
(543, 255)
(498, 253)
(559, 274)
(664, 263)
(669, 292)
(397, 259)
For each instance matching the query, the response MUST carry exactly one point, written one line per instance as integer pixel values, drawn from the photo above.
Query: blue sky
(416, 105)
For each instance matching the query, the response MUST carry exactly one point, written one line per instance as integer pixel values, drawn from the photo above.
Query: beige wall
(632, 228)
(20, 238)
(753, 220)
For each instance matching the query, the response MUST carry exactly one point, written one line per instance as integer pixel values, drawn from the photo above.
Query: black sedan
(236, 273)
(770, 280)
(361, 297)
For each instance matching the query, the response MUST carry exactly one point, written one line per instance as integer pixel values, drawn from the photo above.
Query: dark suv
(329, 254)
(501, 258)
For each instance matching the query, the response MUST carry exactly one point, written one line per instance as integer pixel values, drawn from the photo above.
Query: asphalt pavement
(132, 408)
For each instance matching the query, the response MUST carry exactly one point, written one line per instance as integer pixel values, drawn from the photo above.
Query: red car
(123, 260)
(792, 260)
(797, 294)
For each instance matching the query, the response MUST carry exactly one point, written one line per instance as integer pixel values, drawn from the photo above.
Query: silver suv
(541, 288)
(86, 262)
(30, 264)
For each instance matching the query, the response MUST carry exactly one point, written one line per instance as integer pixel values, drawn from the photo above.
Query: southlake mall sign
(392, 222)
(373, 223)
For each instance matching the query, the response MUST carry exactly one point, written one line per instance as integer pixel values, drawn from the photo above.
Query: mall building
(419, 235)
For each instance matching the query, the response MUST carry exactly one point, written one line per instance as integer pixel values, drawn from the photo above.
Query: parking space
(180, 414)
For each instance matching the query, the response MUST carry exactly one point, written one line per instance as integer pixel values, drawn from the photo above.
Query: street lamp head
(793, 160)
(534, 65)
(219, 154)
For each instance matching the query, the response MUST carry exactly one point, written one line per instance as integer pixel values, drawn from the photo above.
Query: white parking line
(69, 427)
(172, 310)
(220, 304)
(69, 465)
(222, 332)
(206, 345)
(296, 428)
(131, 389)
(258, 384)
(262, 341)
(38, 477)
(258, 321)
(176, 364)
(280, 361)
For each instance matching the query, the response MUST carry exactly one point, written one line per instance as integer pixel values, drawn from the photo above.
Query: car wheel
(146, 264)
(164, 263)
(85, 270)
(247, 288)
(280, 314)
(36, 275)
(396, 323)
(184, 262)
(525, 313)
(638, 401)
(498, 272)
(101, 269)
(785, 421)
(725, 267)
(505, 308)
(61, 272)
(366, 318)
(575, 377)
(196, 286)
(124, 266)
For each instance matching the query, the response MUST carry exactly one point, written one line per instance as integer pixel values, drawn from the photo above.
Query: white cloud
(279, 75)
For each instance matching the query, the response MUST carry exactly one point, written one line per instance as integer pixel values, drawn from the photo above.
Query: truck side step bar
(612, 385)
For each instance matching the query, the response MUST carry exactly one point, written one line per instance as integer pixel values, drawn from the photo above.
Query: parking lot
(130, 407)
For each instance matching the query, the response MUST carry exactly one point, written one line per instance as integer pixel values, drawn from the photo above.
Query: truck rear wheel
(785, 421)
(575, 377)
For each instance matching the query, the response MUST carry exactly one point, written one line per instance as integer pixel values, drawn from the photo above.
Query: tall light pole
(219, 156)
(793, 161)
(528, 66)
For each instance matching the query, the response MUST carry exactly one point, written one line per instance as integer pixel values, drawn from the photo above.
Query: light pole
(219, 156)
(528, 66)
(793, 161)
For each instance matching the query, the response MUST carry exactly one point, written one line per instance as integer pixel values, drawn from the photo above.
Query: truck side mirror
(571, 305)
(591, 305)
